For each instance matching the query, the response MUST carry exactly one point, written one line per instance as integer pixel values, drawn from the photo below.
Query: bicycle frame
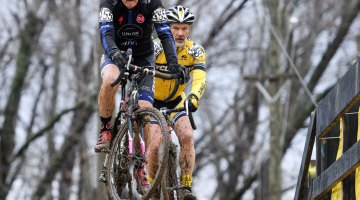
(133, 104)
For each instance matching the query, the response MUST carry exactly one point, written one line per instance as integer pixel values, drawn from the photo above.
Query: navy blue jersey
(123, 28)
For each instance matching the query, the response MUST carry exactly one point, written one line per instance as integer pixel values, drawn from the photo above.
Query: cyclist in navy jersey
(128, 24)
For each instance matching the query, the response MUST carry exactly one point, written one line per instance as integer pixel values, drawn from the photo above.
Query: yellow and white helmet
(180, 14)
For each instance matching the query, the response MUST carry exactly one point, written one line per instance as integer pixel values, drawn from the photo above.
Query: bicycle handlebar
(133, 68)
(179, 78)
(143, 70)
(167, 111)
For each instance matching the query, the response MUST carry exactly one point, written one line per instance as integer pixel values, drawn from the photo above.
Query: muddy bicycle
(170, 184)
(127, 151)
(170, 187)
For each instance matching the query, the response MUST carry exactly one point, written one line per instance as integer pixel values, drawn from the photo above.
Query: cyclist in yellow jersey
(192, 56)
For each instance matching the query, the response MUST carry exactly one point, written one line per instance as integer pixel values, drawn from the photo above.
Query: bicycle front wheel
(117, 169)
(170, 181)
(129, 165)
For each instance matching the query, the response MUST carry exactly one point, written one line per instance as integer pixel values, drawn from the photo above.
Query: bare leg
(153, 142)
(106, 103)
(142, 104)
(152, 137)
(184, 132)
(106, 98)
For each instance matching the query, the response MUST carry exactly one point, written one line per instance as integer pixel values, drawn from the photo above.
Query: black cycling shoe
(186, 194)
(156, 195)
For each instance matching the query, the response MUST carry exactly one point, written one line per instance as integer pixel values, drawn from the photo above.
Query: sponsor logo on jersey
(196, 51)
(129, 43)
(120, 20)
(157, 49)
(163, 68)
(105, 15)
(130, 31)
(165, 28)
(201, 89)
(183, 57)
(159, 15)
(140, 19)
(147, 88)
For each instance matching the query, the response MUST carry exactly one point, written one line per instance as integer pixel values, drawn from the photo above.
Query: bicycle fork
(132, 152)
(131, 145)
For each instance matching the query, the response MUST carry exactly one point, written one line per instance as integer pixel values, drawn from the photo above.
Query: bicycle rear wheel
(122, 162)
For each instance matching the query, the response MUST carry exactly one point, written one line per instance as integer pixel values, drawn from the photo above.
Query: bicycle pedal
(102, 178)
(102, 150)
(105, 151)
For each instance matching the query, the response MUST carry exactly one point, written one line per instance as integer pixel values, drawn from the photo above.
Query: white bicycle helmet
(180, 14)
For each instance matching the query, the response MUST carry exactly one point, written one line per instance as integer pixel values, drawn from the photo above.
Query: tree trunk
(28, 42)
(86, 192)
(275, 106)
(275, 156)
(67, 172)
(80, 119)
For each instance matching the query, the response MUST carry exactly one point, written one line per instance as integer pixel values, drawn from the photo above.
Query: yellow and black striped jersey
(193, 57)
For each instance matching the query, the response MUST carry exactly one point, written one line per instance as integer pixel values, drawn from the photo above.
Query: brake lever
(163, 110)
(129, 53)
(182, 77)
(187, 106)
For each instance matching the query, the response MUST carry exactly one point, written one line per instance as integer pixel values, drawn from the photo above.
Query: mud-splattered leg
(184, 132)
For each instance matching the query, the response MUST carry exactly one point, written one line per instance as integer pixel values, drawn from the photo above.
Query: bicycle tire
(170, 184)
(119, 178)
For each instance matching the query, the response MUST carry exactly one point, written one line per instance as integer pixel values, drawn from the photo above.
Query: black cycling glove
(119, 58)
(174, 68)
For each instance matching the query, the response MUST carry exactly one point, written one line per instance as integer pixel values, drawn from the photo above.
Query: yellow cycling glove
(193, 102)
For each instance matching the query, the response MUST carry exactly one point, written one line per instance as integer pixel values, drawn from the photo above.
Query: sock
(105, 123)
(151, 180)
(186, 180)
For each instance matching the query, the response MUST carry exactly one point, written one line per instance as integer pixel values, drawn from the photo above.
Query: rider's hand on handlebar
(120, 58)
(174, 68)
(193, 102)
(179, 71)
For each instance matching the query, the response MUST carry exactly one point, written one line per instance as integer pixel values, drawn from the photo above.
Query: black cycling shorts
(176, 103)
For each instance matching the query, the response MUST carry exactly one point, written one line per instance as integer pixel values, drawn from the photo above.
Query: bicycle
(127, 150)
(170, 184)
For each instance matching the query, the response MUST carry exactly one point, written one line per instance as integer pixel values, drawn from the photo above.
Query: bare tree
(31, 53)
(28, 36)
(274, 57)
